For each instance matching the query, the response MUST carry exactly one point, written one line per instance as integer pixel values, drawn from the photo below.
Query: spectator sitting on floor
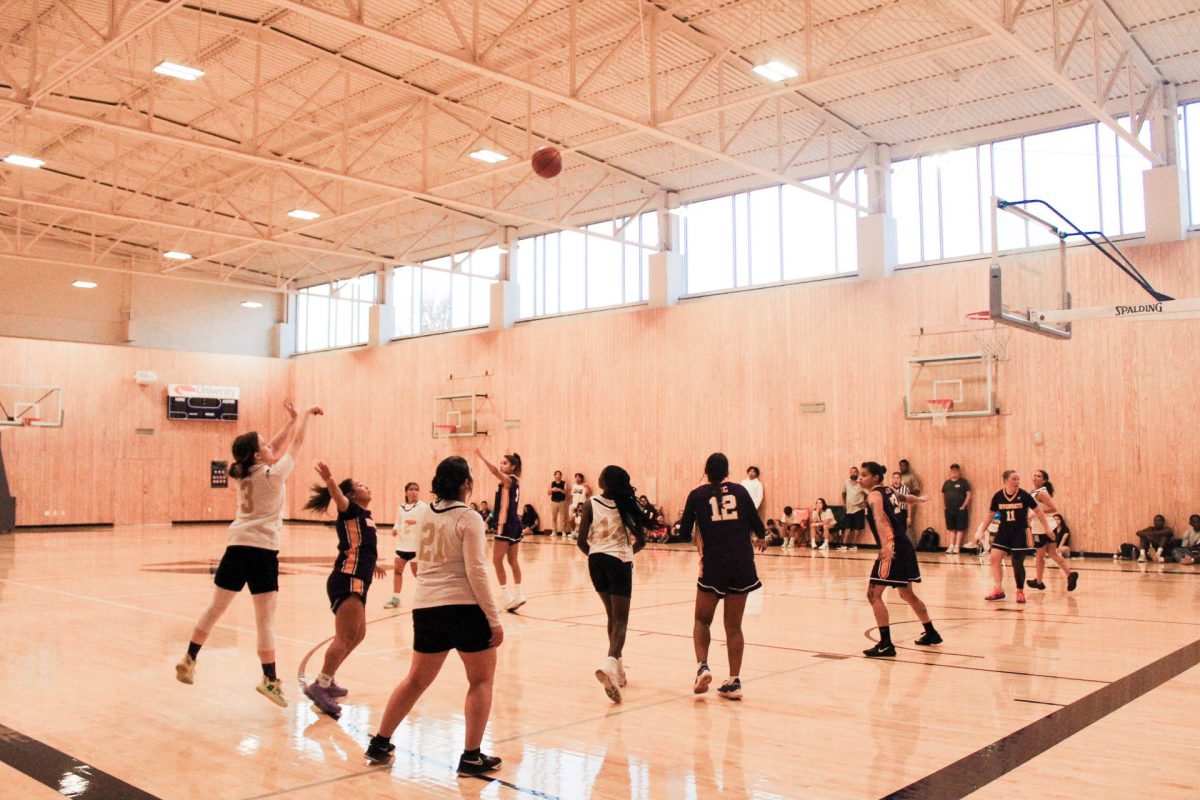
(1190, 549)
(1063, 534)
(1154, 539)
(774, 536)
(530, 523)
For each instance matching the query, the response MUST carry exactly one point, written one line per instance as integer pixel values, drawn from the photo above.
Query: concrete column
(667, 279)
(877, 253)
(1165, 188)
(381, 325)
(506, 294)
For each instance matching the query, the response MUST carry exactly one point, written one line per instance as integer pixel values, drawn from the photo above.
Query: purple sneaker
(320, 697)
(337, 691)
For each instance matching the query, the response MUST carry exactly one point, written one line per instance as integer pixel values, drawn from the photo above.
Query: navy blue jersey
(894, 507)
(726, 517)
(508, 517)
(1014, 511)
(357, 547)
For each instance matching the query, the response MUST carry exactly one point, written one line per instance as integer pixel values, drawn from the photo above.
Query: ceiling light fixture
(23, 161)
(176, 255)
(84, 284)
(489, 156)
(251, 304)
(179, 71)
(776, 71)
(300, 213)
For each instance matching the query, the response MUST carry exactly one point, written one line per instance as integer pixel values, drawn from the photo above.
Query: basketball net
(992, 341)
(940, 411)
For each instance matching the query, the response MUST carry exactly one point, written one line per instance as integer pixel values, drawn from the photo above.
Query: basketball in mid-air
(547, 162)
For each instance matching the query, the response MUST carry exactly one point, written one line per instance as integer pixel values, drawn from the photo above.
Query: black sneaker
(731, 689)
(1036, 585)
(477, 764)
(929, 638)
(1072, 581)
(380, 750)
(880, 650)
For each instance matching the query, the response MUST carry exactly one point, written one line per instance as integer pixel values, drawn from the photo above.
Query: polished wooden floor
(92, 622)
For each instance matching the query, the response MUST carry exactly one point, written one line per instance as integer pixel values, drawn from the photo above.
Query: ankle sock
(269, 671)
(324, 680)
(928, 627)
(885, 635)
(194, 650)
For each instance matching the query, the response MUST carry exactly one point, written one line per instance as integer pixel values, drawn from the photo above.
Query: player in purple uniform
(896, 566)
(1013, 504)
(726, 516)
(508, 525)
(348, 583)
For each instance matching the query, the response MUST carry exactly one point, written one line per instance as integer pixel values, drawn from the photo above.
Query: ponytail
(1046, 482)
(245, 449)
(320, 498)
(615, 482)
(515, 460)
(716, 469)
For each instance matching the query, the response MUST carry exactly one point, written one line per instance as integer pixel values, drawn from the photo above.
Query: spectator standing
(855, 500)
(580, 494)
(910, 486)
(559, 516)
(754, 486)
(956, 496)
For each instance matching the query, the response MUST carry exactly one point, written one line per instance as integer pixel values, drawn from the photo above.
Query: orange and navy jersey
(508, 517)
(357, 547)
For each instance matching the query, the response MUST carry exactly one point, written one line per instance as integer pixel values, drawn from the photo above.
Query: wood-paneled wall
(656, 390)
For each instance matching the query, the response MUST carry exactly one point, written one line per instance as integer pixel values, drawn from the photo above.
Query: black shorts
(855, 521)
(728, 578)
(511, 533)
(903, 568)
(1011, 542)
(463, 628)
(407, 555)
(956, 520)
(1043, 539)
(243, 565)
(611, 575)
(341, 586)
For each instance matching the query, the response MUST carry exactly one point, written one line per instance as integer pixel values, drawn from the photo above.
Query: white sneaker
(512, 602)
(393, 603)
(609, 679)
(824, 546)
(1158, 553)
(1142, 557)
(273, 691)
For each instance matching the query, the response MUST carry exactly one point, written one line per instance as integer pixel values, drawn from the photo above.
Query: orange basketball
(546, 162)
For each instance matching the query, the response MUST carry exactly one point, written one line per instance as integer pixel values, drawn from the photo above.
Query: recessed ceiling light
(84, 284)
(23, 161)
(300, 213)
(176, 255)
(251, 304)
(489, 156)
(776, 71)
(173, 70)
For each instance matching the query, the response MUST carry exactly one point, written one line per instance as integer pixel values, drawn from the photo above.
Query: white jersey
(607, 533)
(1042, 496)
(755, 488)
(261, 497)
(578, 494)
(452, 563)
(406, 526)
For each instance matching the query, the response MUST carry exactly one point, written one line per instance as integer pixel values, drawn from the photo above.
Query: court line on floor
(61, 772)
(972, 772)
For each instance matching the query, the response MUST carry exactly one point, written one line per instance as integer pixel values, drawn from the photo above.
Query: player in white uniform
(612, 528)
(405, 533)
(261, 468)
(1046, 541)
(580, 493)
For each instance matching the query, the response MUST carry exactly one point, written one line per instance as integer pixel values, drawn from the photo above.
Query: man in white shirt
(754, 486)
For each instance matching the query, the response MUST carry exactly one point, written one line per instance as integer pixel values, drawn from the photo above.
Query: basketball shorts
(1011, 542)
(723, 577)
(1043, 539)
(511, 533)
(461, 627)
(956, 519)
(341, 586)
(903, 568)
(611, 575)
(407, 555)
(242, 565)
(855, 521)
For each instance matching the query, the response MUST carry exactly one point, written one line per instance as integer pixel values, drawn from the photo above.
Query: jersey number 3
(724, 510)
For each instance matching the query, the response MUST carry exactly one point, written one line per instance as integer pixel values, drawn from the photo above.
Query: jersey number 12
(725, 509)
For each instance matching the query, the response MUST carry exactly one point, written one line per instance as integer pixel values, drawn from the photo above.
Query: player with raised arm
(508, 526)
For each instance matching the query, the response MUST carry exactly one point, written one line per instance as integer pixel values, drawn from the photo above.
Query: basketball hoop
(444, 431)
(940, 411)
(993, 341)
(28, 421)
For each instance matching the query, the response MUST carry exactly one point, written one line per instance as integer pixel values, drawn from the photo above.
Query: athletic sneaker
(1072, 581)
(610, 679)
(703, 679)
(929, 638)
(1020, 596)
(996, 595)
(185, 670)
(272, 690)
(380, 750)
(514, 602)
(824, 546)
(393, 603)
(478, 764)
(336, 691)
(1142, 557)
(880, 650)
(1041, 587)
(320, 697)
(731, 689)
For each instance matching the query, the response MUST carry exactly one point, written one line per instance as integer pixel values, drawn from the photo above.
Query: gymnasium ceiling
(365, 111)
